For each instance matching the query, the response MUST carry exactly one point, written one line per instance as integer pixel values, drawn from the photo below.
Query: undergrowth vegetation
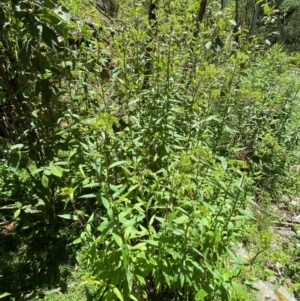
(138, 151)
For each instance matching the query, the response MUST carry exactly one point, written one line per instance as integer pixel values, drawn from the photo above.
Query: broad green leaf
(25, 51)
(105, 202)
(45, 181)
(71, 216)
(132, 297)
(182, 278)
(140, 246)
(196, 265)
(117, 239)
(4, 295)
(223, 162)
(36, 29)
(17, 213)
(47, 172)
(233, 22)
(76, 241)
(266, 9)
(11, 206)
(178, 232)
(17, 146)
(63, 14)
(91, 185)
(240, 291)
(117, 164)
(268, 42)
(208, 44)
(230, 226)
(201, 294)
(119, 191)
(181, 220)
(19, 204)
(62, 163)
(67, 65)
(232, 255)
(118, 293)
(89, 196)
(14, 161)
(129, 278)
(56, 171)
(91, 218)
(49, 37)
(125, 255)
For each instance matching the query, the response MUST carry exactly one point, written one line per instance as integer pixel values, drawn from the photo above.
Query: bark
(254, 19)
(200, 16)
(153, 25)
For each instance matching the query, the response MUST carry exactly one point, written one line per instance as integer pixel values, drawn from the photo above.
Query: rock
(240, 251)
(269, 292)
(295, 202)
(297, 218)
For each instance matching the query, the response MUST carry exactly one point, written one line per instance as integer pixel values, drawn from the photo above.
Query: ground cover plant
(137, 151)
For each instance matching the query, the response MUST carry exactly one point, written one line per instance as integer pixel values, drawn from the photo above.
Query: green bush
(143, 154)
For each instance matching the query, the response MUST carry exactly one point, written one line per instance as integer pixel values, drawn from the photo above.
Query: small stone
(295, 202)
(269, 292)
(296, 218)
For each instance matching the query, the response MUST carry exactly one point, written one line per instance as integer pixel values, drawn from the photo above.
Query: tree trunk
(153, 26)
(254, 20)
(200, 16)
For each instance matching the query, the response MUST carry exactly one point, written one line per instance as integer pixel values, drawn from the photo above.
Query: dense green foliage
(139, 147)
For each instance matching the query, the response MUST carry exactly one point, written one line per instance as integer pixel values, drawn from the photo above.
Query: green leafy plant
(139, 147)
